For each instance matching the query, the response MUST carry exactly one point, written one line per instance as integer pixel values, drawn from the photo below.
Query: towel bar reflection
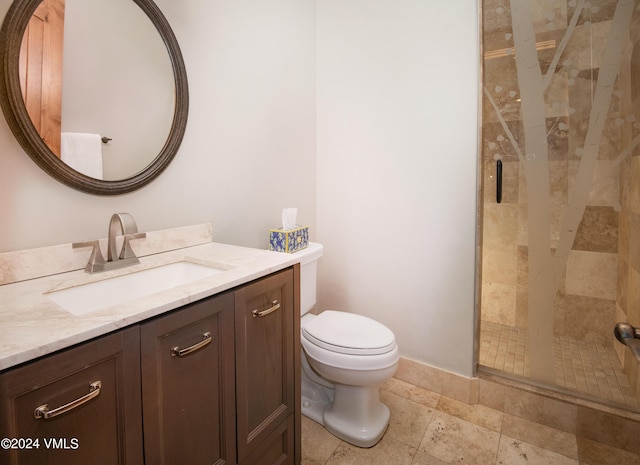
(105, 140)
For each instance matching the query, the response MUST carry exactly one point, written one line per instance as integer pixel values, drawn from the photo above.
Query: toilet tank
(308, 275)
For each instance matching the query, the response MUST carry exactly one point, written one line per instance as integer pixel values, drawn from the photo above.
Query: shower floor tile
(579, 366)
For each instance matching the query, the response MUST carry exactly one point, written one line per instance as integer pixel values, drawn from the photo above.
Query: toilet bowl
(345, 357)
(341, 348)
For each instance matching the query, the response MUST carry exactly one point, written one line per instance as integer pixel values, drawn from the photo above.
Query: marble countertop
(31, 325)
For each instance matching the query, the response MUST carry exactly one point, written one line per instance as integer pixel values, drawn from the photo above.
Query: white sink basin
(90, 297)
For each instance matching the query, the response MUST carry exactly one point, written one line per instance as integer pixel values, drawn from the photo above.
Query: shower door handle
(499, 181)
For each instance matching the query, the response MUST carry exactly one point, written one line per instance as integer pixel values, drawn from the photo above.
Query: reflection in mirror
(41, 70)
(108, 88)
(117, 74)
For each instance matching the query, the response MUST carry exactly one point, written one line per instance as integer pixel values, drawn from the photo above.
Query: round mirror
(99, 92)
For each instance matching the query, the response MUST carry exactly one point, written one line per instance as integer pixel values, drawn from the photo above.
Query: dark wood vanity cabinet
(44, 425)
(214, 382)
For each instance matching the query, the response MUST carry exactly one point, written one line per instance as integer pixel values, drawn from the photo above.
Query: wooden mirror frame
(20, 123)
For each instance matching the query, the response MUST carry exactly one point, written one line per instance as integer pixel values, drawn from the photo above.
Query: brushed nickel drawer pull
(44, 412)
(275, 305)
(178, 352)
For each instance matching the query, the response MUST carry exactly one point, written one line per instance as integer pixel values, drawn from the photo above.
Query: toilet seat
(348, 333)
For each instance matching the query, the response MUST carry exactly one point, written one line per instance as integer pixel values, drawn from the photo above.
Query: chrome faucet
(124, 224)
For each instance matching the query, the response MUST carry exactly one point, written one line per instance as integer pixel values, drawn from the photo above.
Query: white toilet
(345, 357)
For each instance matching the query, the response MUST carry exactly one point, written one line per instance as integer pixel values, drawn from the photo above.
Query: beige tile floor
(579, 366)
(427, 428)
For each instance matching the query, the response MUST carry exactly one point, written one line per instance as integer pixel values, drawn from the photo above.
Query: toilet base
(353, 414)
(356, 415)
(315, 399)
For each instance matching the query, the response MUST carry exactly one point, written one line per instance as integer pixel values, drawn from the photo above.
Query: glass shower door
(561, 206)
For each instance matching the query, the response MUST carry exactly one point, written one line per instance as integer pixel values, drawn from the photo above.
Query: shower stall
(561, 196)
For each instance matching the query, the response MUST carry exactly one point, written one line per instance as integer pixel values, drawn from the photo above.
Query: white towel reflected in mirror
(82, 152)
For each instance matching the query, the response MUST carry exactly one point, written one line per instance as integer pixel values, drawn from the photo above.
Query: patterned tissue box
(290, 240)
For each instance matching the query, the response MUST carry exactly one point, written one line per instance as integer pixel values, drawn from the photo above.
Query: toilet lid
(348, 333)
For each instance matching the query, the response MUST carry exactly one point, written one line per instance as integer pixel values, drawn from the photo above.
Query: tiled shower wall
(602, 280)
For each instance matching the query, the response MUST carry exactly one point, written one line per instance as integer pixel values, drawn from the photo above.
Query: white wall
(249, 148)
(396, 170)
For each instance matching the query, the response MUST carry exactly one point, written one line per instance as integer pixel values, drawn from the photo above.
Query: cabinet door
(103, 427)
(265, 378)
(276, 449)
(188, 385)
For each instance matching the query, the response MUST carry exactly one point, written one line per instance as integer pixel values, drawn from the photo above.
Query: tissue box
(290, 240)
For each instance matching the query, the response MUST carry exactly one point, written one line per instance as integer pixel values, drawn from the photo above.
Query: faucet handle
(96, 257)
(126, 251)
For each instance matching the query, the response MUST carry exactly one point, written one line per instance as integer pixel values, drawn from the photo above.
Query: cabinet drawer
(103, 427)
